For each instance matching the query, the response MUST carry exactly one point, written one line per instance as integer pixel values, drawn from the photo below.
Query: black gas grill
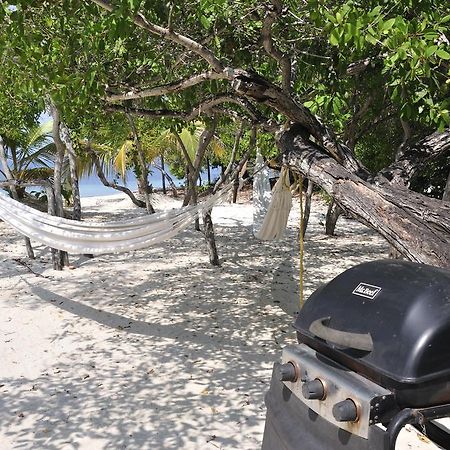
(373, 355)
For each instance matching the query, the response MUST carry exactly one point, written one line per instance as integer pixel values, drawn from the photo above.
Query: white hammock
(97, 238)
(261, 193)
(275, 221)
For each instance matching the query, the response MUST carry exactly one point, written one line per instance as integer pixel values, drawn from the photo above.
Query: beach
(157, 349)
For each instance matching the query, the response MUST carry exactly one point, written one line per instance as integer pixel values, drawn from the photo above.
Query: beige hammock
(275, 221)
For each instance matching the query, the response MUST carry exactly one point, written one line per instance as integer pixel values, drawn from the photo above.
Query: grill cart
(373, 355)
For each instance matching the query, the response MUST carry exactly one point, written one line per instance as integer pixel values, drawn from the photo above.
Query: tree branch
(271, 95)
(272, 15)
(176, 86)
(414, 157)
(204, 107)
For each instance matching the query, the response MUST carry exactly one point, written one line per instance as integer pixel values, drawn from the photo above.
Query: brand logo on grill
(366, 290)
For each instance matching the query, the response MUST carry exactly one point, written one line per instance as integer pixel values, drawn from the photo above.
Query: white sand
(156, 349)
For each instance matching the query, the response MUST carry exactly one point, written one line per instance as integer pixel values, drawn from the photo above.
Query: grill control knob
(314, 390)
(286, 372)
(345, 411)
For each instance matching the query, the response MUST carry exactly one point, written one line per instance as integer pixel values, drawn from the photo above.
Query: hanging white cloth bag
(275, 221)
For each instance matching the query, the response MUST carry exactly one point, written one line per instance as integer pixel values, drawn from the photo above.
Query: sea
(91, 186)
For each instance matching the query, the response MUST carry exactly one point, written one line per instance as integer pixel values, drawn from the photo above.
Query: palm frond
(38, 135)
(36, 173)
(43, 156)
(120, 161)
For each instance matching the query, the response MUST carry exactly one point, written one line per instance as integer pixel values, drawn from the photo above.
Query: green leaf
(335, 37)
(372, 40)
(402, 53)
(388, 24)
(430, 50)
(442, 54)
(205, 21)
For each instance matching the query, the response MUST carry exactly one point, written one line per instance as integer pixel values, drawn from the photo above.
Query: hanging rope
(301, 241)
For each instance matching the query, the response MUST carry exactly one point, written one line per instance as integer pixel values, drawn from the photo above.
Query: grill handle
(356, 341)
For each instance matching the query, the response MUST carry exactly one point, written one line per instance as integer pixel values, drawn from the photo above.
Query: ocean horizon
(91, 186)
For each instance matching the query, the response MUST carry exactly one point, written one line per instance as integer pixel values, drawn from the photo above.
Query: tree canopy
(376, 74)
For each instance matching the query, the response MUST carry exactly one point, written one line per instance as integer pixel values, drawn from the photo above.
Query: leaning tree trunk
(167, 177)
(417, 226)
(102, 177)
(65, 136)
(9, 176)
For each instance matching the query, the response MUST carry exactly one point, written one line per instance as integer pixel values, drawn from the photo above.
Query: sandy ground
(156, 349)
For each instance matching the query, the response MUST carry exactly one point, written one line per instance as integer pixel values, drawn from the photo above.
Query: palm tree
(30, 156)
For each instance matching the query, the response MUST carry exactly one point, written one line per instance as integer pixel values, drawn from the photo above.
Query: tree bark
(9, 176)
(333, 213)
(56, 259)
(417, 226)
(208, 168)
(143, 179)
(57, 177)
(65, 136)
(235, 187)
(210, 238)
(307, 210)
(163, 175)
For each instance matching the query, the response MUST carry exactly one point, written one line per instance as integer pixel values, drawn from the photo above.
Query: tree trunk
(194, 201)
(235, 187)
(163, 175)
(65, 136)
(169, 179)
(143, 179)
(210, 238)
(117, 187)
(333, 213)
(51, 208)
(9, 176)
(417, 226)
(57, 177)
(194, 167)
(307, 211)
(208, 169)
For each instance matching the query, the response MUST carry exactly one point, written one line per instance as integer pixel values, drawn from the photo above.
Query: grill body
(373, 346)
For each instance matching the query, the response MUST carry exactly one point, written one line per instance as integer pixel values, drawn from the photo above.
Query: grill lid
(387, 318)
